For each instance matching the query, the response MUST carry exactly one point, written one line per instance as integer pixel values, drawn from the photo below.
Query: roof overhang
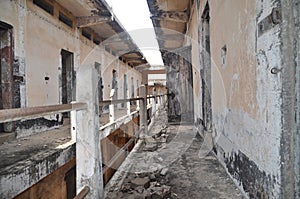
(170, 18)
(98, 16)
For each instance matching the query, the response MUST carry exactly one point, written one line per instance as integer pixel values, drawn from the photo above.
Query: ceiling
(169, 18)
(113, 35)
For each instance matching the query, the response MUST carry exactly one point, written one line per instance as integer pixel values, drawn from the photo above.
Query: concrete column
(73, 124)
(153, 106)
(138, 104)
(143, 111)
(159, 102)
(88, 150)
(128, 103)
(112, 107)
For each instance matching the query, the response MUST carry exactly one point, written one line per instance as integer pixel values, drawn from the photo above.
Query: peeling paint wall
(247, 113)
(28, 172)
(246, 95)
(54, 185)
(192, 40)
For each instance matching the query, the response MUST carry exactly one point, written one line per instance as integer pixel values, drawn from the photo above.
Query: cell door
(67, 77)
(6, 72)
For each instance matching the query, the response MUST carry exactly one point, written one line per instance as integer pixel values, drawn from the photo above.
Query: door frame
(7, 80)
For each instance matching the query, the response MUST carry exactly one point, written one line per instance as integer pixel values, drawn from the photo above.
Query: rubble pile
(148, 185)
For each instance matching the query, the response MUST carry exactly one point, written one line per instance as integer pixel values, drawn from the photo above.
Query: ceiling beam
(116, 40)
(161, 71)
(165, 37)
(172, 16)
(86, 21)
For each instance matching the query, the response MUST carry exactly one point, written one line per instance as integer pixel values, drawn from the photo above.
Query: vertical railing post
(73, 115)
(143, 111)
(138, 104)
(88, 149)
(153, 106)
(159, 102)
(128, 103)
(112, 107)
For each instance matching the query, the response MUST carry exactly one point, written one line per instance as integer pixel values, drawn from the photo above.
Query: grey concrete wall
(297, 90)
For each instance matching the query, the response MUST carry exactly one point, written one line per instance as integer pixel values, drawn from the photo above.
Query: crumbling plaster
(246, 96)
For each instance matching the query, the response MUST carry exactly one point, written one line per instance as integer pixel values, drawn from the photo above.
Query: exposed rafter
(170, 37)
(116, 40)
(86, 21)
(171, 16)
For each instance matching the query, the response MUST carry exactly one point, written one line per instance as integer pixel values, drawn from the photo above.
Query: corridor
(150, 99)
(156, 169)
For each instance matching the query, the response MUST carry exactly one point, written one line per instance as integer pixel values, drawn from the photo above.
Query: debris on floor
(166, 165)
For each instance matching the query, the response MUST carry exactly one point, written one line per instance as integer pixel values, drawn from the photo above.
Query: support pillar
(143, 111)
(153, 106)
(112, 107)
(128, 103)
(159, 102)
(88, 149)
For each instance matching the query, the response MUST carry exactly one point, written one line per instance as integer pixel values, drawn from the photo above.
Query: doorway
(6, 72)
(206, 72)
(68, 77)
(114, 84)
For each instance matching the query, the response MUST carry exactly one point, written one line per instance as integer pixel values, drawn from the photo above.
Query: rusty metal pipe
(82, 193)
(10, 115)
(108, 102)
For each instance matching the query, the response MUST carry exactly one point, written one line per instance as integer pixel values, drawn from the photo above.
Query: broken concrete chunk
(144, 182)
(164, 171)
(139, 189)
(126, 187)
(150, 147)
(150, 140)
(152, 176)
(160, 159)
(160, 192)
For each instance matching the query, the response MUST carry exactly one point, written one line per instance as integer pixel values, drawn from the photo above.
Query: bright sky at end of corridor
(134, 16)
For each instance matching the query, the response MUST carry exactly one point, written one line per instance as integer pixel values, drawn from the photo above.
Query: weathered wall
(54, 185)
(297, 89)
(28, 172)
(179, 85)
(39, 38)
(246, 96)
(108, 63)
(192, 40)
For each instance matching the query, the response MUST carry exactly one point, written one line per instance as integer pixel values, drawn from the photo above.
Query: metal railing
(82, 193)
(11, 115)
(84, 127)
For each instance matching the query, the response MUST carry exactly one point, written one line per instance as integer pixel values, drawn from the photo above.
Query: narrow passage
(167, 165)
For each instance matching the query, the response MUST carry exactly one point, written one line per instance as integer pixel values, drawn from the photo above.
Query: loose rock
(144, 182)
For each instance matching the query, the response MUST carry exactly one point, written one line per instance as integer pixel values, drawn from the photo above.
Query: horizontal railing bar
(82, 193)
(10, 115)
(153, 96)
(118, 101)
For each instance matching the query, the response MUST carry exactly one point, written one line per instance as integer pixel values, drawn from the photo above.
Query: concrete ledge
(16, 178)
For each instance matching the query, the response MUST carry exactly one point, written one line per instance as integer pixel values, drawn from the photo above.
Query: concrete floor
(168, 164)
